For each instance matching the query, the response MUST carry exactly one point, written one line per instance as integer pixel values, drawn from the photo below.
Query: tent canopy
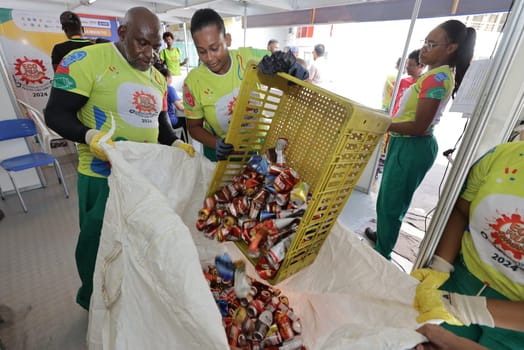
(262, 13)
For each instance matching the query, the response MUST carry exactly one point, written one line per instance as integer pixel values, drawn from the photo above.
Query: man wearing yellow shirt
(170, 56)
(95, 88)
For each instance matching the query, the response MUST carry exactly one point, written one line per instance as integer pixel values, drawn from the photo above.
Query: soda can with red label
(255, 308)
(209, 203)
(203, 214)
(284, 326)
(232, 190)
(200, 225)
(234, 332)
(273, 339)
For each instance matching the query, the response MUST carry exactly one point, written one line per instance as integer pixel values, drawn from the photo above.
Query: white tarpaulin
(150, 293)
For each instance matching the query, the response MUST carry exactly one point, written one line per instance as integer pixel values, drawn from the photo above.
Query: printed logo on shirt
(144, 102)
(64, 82)
(497, 230)
(189, 99)
(441, 76)
(139, 105)
(72, 58)
(508, 234)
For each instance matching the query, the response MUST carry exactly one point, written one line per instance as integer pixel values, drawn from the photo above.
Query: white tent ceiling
(174, 11)
(264, 13)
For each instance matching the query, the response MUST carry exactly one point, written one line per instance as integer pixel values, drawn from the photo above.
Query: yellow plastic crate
(330, 142)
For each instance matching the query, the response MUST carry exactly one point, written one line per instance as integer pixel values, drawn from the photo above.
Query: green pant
(408, 160)
(92, 198)
(463, 282)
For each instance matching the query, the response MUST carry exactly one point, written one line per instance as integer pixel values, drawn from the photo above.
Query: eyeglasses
(431, 44)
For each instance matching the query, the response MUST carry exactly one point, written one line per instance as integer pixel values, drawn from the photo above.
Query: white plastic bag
(349, 298)
(164, 301)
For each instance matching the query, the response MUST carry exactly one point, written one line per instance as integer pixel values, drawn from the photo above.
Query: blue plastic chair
(22, 128)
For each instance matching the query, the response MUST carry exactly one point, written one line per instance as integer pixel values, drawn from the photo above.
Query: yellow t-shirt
(493, 244)
(437, 84)
(114, 87)
(172, 59)
(212, 96)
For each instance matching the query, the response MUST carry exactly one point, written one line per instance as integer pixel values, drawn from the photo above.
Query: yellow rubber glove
(185, 147)
(92, 138)
(428, 299)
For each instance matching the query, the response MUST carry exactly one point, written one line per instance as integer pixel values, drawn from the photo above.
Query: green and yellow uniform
(171, 58)
(212, 97)
(492, 247)
(115, 91)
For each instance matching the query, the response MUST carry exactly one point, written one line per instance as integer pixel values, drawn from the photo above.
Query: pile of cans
(262, 206)
(258, 318)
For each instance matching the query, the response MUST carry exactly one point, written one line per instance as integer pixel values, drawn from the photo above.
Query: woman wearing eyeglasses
(447, 52)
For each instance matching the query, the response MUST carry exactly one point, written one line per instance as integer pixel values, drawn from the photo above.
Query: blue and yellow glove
(190, 150)
(223, 149)
(93, 139)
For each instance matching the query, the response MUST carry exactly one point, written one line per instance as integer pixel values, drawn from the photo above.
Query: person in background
(389, 86)
(170, 56)
(318, 68)
(98, 87)
(211, 89)
(414, 69)
(102, 40)
(412, 149)
(273, 45)
(294, 50)
(229, 39)
(174, 102)
(72, 27)
(478, 263)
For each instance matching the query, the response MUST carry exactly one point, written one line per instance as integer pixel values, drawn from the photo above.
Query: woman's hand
(442, 339)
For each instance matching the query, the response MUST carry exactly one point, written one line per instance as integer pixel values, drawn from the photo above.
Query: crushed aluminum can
(248, 326)
(260, 197)
(234, 332)
(255, 308)
(282, 199)
(200, 225)
(232, 190)
(280, 149)
(203, 214)
(210, 232)
(265, 296)
(262, 324)
(258, 164)
(283, 183)
(278, 252)
(251, 187)
(254, 210)
(298, 194)
(274, 339)
(234, 234)
(241, 205)
(265, 215)
(284, 326)
(209, 203)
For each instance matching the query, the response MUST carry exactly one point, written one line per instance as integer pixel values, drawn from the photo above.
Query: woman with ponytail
(446, 51)
(72, 27)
